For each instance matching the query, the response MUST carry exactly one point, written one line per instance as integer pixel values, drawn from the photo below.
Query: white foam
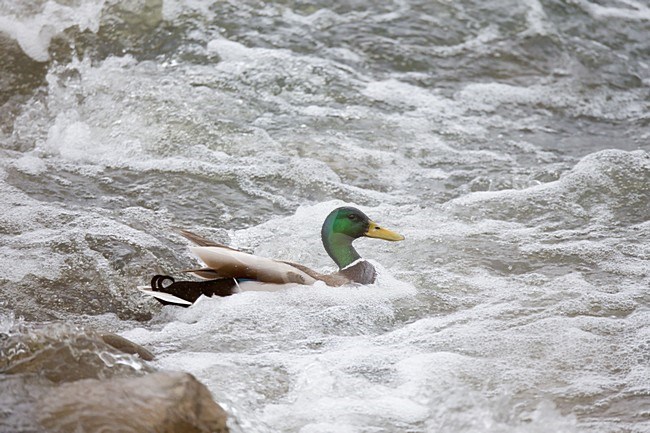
(538, 22)
(35, 32)
(635, 11)
(343, 379)
(7, 322)
(484, 38)
(397, 92)
(30, 164)
(233, 51)
(95, 131)
(174, 9)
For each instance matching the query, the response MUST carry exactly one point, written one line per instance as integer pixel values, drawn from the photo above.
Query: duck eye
(352, 216)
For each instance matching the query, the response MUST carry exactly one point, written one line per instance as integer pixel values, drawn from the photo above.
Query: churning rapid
(507, 140)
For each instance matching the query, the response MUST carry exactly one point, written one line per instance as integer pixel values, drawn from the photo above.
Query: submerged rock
(163, 402)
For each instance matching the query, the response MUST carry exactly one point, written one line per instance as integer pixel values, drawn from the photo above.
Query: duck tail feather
(168, 291)
(201, 241)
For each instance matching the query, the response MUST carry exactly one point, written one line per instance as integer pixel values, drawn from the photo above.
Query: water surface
(507, 140)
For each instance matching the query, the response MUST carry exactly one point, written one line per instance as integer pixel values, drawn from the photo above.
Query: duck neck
(340, 249)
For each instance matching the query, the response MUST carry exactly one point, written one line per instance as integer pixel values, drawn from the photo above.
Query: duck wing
(229, 263)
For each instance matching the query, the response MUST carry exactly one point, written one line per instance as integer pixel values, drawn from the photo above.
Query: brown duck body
(228, 270)
(360, 271)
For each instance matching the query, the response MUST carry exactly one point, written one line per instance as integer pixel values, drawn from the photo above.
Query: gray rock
(64, 353)
(163, 402)
(61, 378)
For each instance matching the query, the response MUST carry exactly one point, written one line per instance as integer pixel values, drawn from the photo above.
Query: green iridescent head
(345, 224)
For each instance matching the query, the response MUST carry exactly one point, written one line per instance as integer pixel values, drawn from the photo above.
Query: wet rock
(163, 402)
(57, 377)
(64, 353)
(127, 346)
(18, 393)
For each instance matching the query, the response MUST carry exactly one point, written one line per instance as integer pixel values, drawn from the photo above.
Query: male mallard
(229, 270)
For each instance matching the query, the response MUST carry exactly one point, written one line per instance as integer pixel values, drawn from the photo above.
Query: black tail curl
(192, 290)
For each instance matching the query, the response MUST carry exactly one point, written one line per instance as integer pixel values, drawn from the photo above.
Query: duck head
(345, 224)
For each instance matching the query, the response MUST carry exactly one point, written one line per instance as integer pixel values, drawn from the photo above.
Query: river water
(507, 140)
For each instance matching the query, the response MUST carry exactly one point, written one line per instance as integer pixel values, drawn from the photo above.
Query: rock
(17, 396)
(64, 353)
(163, 402)
(127, 346)
(61, 378)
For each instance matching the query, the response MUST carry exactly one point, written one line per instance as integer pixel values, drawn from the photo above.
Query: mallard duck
(229, 270)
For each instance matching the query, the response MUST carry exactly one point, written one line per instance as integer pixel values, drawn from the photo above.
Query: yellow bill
(374, 231)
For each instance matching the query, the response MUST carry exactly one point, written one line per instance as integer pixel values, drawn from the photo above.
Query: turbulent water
(507, 140)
